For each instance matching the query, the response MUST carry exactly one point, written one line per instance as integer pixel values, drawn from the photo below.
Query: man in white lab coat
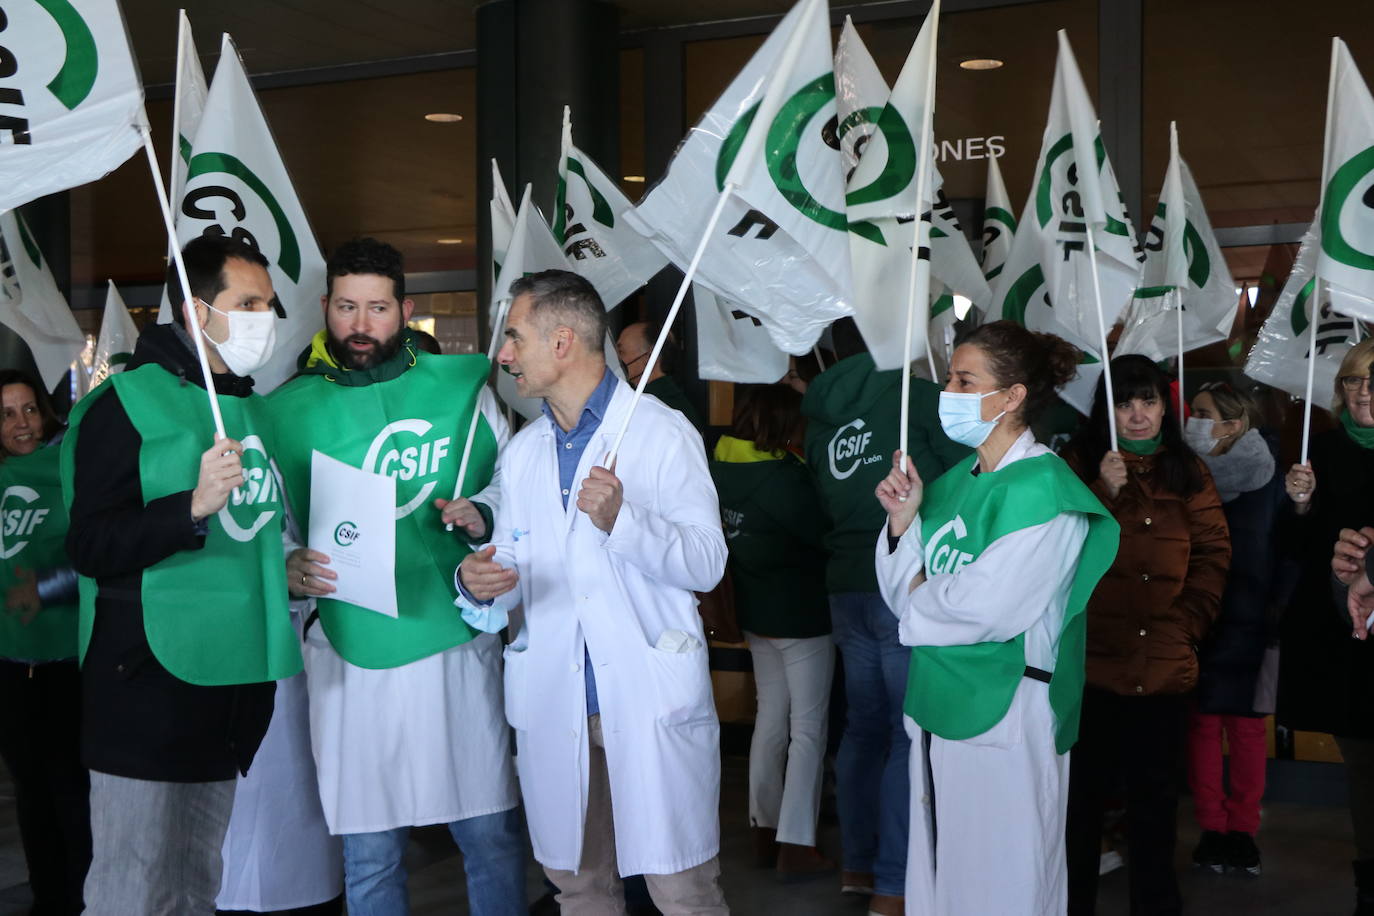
(607, 683)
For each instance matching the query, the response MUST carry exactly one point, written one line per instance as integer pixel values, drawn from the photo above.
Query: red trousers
(1215, 807)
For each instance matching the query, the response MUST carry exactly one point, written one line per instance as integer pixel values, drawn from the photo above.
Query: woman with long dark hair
(40, 718)
(1145, 621)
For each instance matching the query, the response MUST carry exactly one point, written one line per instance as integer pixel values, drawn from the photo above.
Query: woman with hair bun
(989, 569)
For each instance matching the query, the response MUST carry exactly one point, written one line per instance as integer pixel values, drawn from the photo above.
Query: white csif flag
(32, 306)
(1346, 259)
(520, 244)
(71, 104)
(1183, 265)
(589, 222)
(882, 205)
(237, 184)
(1279, 355)
(999, 224)
(118, 334)
(1023, 296)
(1074, 191)
(780, 249)
(188, 104)
(732, 345)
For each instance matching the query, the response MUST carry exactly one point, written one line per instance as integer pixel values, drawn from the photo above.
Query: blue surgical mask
(961, 415)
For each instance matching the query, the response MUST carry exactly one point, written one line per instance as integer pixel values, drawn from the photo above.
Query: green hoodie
(774, 529)
(851, 433)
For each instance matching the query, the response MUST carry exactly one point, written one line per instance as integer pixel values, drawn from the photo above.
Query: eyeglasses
(1355, 382)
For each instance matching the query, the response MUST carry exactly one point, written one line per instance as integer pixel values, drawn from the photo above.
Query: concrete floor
(1306, 847)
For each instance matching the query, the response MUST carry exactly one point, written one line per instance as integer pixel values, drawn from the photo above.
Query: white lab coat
(423, 743)
(620, 592)
(998, 801)
(278, 854)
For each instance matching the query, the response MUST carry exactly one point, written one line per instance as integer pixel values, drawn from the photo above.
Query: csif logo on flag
(580, 244)
(222, 191)
(1348, 213)
(410, 462)
(19, 522)
(1059, 203)
(797, 133)
(251, 506)
(1333, 330)
(1199, 261)
(75, 76)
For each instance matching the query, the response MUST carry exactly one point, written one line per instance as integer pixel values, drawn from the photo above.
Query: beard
(381, 350)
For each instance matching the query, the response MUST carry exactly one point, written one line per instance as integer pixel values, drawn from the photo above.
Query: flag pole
(1102, 340)
(1316, 276)
(1178, 318)
(820, 360)
(492, 349)
(725, 193)
(919, 283)
(193, 321)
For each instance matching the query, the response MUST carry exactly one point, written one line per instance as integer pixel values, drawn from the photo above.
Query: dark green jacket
(774, 529)
(667, 390)
(852, 430)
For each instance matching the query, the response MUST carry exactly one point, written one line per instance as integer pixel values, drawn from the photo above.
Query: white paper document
(353, 522)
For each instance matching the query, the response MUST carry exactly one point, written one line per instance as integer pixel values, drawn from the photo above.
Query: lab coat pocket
(682, 685)
(1007, 733)
(516, 689)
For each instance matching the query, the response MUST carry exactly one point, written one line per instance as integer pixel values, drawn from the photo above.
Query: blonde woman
(1325, 677)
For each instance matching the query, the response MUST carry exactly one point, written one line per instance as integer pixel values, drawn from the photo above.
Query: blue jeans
(493, 859)
(871, 781)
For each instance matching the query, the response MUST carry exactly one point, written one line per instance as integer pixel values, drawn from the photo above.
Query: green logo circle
(346, 534)
(1339, 193)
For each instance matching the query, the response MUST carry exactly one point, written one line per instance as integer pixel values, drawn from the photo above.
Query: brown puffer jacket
(1154, 606)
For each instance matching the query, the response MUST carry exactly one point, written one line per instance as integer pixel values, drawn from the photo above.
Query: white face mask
(961, 415)
(252, 337)
(1200, 435)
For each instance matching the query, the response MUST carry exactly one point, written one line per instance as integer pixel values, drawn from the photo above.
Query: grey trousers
(595, 890)
(156, 846)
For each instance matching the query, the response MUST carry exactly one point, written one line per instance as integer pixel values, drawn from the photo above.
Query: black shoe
(1211, 852)
(1243, 854)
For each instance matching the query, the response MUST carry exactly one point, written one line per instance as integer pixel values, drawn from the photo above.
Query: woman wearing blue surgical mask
(989, 568)
(1145, 621)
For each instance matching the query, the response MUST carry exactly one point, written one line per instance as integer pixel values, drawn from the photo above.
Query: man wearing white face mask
(185, 624)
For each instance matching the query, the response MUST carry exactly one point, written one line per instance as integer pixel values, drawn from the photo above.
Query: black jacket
(1231, 656)
(138, 720)
(1325, 677)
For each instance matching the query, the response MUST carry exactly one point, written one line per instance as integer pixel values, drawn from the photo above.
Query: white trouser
(792, 677)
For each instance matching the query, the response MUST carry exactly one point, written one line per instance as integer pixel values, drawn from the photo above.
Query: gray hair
(561, 297)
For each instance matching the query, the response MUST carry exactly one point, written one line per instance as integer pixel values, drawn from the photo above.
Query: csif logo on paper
(346, 534)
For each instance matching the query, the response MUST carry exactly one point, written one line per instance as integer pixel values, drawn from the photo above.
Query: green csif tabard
(411, 426)
(218, 615)
(958, 692)
(33, 536)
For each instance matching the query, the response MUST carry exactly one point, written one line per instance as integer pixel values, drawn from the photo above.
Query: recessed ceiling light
(980, 63)
(443, 117)
(638, 179)
(449, 241)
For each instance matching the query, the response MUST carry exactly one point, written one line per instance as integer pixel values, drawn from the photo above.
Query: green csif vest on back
(958, 692)
(33, 536)
(413, 428)
(218, 615)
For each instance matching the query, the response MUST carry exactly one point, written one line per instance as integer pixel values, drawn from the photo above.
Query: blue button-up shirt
(570, 446)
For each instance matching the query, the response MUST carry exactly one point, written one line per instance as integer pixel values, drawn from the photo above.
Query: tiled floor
(1306, 857)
